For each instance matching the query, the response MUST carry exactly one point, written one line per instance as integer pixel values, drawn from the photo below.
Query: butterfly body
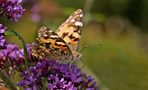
(61, 45)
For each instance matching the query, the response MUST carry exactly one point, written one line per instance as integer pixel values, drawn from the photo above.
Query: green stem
(8, 81)
(24, 47)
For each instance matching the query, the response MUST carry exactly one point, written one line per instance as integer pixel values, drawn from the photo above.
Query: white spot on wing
(54, 36)
(81, 15)
(61, 43)
(72, 20)
(79, 24)
(45, 35)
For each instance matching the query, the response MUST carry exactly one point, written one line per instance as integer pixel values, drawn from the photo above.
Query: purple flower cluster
(2, 39)
(12, 9)
(9, 53)
(53, 75)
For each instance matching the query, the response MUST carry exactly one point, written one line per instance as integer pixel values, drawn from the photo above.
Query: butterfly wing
(70, 29)
(49, 44)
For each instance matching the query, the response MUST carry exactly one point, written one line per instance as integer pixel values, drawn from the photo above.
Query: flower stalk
(24, 47)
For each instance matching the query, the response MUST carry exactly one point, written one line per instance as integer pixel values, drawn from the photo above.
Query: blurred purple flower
(35, 16)
(12, 9)
(2, 39)
(52, 75)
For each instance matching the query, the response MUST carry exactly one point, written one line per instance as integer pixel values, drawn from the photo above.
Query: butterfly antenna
(83, 48)
(100, 43)
(70, 64)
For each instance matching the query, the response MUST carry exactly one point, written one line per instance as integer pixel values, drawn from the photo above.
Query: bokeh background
(115, 32)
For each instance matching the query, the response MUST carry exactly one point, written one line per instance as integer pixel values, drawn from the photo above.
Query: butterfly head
(76, 55)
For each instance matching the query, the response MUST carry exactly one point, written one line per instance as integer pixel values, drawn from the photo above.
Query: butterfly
(60, 45)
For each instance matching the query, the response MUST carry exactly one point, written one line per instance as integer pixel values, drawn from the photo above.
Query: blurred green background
(115, 32)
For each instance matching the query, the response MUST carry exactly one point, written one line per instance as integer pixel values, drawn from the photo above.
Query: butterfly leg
(82, 64)
(79, 60)
(70, 64)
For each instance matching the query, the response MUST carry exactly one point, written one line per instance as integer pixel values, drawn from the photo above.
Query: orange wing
(50, 45)
(70, 29)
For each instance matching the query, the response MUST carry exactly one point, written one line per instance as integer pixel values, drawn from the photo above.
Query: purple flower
(12, 9)
(11, 56)
(15, 55)
(9, 53)
(2, 29)
(53, 75)
(2, 59)
(2, 39)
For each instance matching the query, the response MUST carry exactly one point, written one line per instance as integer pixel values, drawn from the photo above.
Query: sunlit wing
(70, 29)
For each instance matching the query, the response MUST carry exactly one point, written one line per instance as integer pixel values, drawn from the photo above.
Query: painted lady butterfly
(61, 45)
